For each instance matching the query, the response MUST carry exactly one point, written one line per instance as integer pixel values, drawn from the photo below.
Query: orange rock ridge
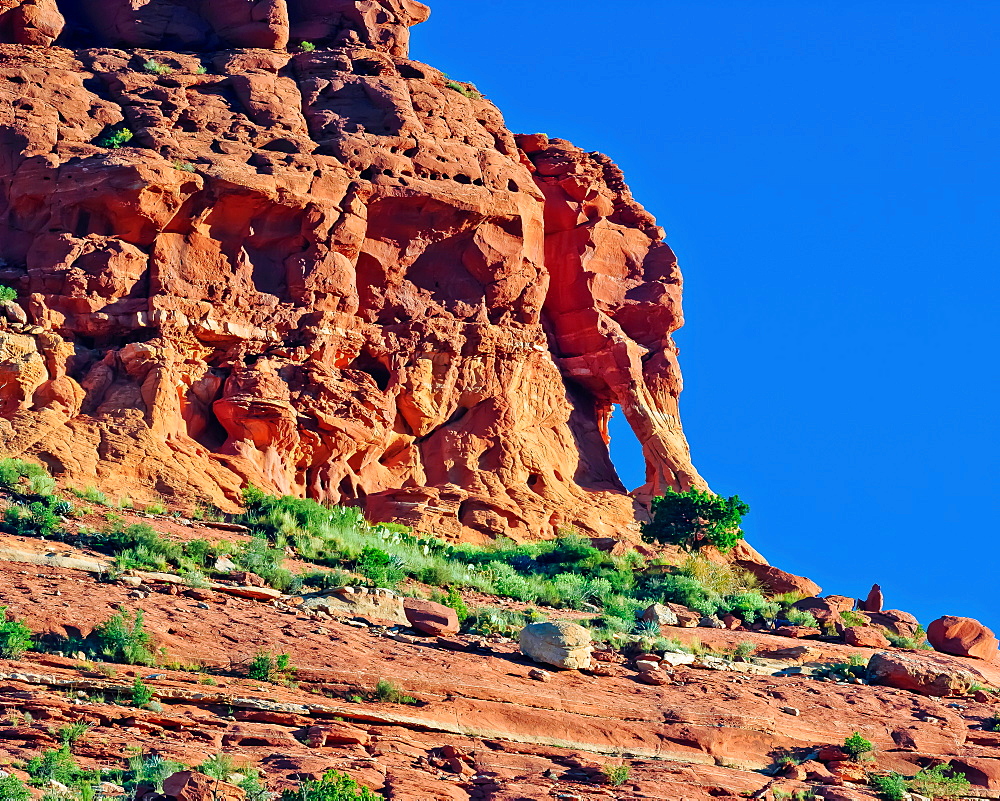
(327, 273)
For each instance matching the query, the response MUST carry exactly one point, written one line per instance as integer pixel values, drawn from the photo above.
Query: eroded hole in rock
(626, 451)
(367, 363)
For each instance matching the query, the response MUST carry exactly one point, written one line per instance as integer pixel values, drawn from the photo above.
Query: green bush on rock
(695, 518)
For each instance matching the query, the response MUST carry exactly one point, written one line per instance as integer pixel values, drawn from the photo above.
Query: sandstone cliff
(332, 273)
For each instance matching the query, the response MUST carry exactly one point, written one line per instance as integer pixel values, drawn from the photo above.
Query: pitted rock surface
(327, 273)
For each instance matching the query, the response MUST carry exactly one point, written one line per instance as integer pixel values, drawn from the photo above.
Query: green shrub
(183, 166)
(262, 667)
(744, 650)
(388, 692)
(380, 568)
(13, 789)
(116, 138)
(615, 775)
(307, 47)
(15, 637)
(219, 767)
(36, 519)
(7, 294)
(749, 606)
(141, 694)
(122, 638)
(14, 472)
(91, 494)
(469, 91)
(940, 781)
(854, 619)
(149, 769)
(889, 788)
(53, 764)
(72, 733)
(687, 591)
(155, 67)
(917, 641)
(799, 617)
(333, 786)
(857, 747)
(695, 518)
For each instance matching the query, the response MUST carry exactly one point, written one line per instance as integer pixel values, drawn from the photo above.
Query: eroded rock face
(962, 636)
(324, 273)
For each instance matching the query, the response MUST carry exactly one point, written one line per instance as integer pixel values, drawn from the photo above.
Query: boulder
(831, 604)
(189, 785)
(336, 734)
(895, 621)
(962, 636)
(561, 644)
(430, 618)
(925, 674)
(874, 601)
(373, 604)
(686, 618)
(660, 614)
(865, 637)
(778, 581)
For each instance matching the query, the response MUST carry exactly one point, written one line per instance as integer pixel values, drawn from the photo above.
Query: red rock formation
(962, 636)
(326, 273)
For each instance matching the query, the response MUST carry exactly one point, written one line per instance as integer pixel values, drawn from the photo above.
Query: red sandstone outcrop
(962, 636)
(326, 273)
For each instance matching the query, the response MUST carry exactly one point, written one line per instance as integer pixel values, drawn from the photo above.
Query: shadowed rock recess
(331, 272)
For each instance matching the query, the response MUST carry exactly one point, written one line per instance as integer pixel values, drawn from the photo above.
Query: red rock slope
(329, 273)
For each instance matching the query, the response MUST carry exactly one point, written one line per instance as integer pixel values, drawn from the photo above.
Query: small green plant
(53, 764)
(615, 775)
(857, 660)
(858, 748)
(155, 508)
(115, 139)
(91, 494)
(123, 638)
(201, 70)
(13, 789)
(183, 166)
(149, 769)
(940, 781)
(454, 600)
(141, 694)
(917, 641)
(799, 617)
(854, 619)
(72, 733)
(262, 667)
(333, 786)
(469, 91)
(219, 767)
(388, 692)
(155, 67)
(744, 650)
(7, 294)
(307, 47)
(15, 637)
(695, 518)
(889, 788)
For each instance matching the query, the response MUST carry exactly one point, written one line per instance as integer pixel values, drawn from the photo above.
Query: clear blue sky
(828, 175)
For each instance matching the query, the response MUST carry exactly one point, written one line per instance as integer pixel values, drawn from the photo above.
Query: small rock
(539, 675)
(660, 614)
(655, 677)
(791, 710)
(561, 644)
(646, 665)
(202, 605)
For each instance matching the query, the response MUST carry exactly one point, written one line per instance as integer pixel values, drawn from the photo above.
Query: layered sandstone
(326, 273)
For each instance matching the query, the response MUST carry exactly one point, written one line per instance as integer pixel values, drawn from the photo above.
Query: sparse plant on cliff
(799, 617)
(155, 67)
(388, 692)
(123, 638)
(889, 788)
(333, 786)
(917, 641)
(141, 694)
(201, 70)
(53, 764)
(183, 166)
(72, 733)
(615, 775)
(150, 769)
(15, 472)
(219, 767)
(858, 748)
(468, 90)
(307, 47)
(454, 600)
(940, 781)
(116, 138)
(7, 294)
(15, 637)
(853, 619)
(695, 518)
